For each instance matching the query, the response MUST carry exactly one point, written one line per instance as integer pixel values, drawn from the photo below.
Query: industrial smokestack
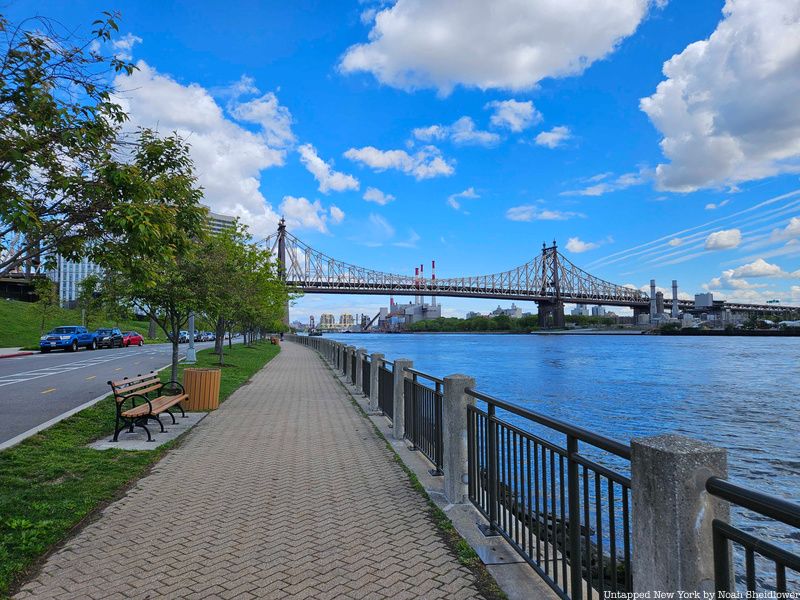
(416, 285)
(422, 283)
(652, 299)
(674, 298)
(433, 281)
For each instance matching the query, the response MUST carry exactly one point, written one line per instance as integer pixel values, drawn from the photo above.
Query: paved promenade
(284, 492)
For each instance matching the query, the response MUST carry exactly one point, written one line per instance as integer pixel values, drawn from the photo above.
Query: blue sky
(483, 129)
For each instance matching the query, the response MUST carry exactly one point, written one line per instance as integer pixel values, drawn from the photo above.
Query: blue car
(68, 338)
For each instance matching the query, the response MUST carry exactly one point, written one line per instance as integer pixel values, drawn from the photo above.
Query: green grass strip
(51, 482)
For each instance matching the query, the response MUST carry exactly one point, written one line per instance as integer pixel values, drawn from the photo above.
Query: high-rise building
(326, 321)
(580, 310)
(598, 311)
(346, 320)
(218, 222)
(69, 276)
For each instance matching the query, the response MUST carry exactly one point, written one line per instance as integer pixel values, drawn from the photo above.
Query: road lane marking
(120, 369)
(47, 391)
(90, 377)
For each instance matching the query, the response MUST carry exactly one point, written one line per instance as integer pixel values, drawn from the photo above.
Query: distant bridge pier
(640, 310)
(551, 314)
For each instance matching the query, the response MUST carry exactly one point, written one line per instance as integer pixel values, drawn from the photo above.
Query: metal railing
(726, 535)
(353, 366)
(365, 375)
(567, 515)
(386, 389)
(423, 417)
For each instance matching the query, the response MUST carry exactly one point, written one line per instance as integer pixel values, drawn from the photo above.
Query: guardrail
(560, 495)
(423, 417)
(557, 508)
(725, 535)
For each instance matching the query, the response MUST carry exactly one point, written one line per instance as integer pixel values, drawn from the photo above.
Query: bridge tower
(282, 264)
(551, 311)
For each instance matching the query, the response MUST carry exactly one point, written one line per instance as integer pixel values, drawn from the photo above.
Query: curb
(16, 354)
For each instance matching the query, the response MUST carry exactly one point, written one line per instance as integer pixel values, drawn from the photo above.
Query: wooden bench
(137, 391)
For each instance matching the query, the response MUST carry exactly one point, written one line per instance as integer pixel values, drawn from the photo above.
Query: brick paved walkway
(285, 492)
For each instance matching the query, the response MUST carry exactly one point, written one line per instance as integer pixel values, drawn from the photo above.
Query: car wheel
(44, 350)
(74, 346)
(141, 343)
(94, 345)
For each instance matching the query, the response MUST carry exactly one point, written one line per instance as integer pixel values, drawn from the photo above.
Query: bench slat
(160, 404)
(124, 393)
(136, 379)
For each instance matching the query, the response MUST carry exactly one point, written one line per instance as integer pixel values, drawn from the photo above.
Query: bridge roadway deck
(285, 492)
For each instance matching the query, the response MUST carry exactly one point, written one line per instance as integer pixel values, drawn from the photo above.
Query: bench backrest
(141, 384)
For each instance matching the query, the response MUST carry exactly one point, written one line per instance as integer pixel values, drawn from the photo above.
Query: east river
(741, 393)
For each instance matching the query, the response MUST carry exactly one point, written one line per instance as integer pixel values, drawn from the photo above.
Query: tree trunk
(219, 337)
(151, 329)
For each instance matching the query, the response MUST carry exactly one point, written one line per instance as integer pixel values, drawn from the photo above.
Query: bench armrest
(172, 388)
(143, 397)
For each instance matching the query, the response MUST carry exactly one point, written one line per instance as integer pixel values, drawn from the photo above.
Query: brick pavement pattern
(284, 492)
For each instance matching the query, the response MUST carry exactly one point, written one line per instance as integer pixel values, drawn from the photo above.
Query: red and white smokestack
(433, 281)
(422, 283)
(416, 285)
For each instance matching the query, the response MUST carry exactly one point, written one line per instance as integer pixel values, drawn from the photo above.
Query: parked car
(183, 337)
(109, 337)
(68, 337)
(131, 338)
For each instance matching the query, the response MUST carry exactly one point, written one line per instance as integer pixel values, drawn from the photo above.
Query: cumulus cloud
(378, 197)
(714, 132)
(453, 200)
(229, 159)
(123, 47)
(603, 183)
(530, 212)
(328, 178)
(501, 44)
(761, 268)
(724, 239)
(463, 133)
(424, 164)
(275, 120)
(674, 242)
(553, 138)
(304, 214)
(790, 232)
(577, 245)
(513, 115)
(713, 206)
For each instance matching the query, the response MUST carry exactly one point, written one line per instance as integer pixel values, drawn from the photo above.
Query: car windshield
(104, 331)
(64, 330)
(127, 333)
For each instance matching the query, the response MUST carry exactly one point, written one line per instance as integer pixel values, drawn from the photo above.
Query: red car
(131, 338)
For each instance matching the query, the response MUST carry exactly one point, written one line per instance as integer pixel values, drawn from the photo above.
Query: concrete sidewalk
(284, 492)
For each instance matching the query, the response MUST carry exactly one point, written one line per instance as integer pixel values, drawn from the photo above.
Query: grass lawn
(51, 482)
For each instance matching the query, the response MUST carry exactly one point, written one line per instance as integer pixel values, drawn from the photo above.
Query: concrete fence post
(672, 513)
(377, 361)
(348, 358)
(454, 435)
(399, 416)
(360, 353)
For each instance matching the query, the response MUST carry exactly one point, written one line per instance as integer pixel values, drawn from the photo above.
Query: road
(40, 387)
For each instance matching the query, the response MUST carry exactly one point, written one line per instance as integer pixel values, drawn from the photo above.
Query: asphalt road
(37, 388)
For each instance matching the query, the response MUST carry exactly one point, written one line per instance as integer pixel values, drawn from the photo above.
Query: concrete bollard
(377, 361)
(399, 416)
(672, 513)
(360, 353)
(454, 435)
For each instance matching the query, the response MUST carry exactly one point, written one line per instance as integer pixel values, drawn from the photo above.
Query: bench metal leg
(169, 412)
(143, 424)
(160, 424)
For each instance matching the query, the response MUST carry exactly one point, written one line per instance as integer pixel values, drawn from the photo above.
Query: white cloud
(713, 206)
(508, 44)
(378, 197)
(453, 199)
(724, 239)
(553, 138)
(577, 246)
(275, 120)
(328, 178)
(602, 184)
(123, 47)
(790, 232)
(424, 164)
(301, 213)
(410, 242)
(337, 214)
(675, 242)
(513, 115)
(530, 212)
(463, 133)
(228, 158)
(728, 107)
(761, 268)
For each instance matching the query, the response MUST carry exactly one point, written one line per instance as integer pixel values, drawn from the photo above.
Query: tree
(59, 129)
(156, 277)
(47, 302)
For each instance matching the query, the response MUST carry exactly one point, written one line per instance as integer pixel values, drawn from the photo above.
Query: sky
(649, 138)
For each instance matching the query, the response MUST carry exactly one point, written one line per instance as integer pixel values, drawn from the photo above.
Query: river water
(736, 392)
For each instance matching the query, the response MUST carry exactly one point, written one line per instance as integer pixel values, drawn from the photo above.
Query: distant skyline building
(580, 310)
(598, 311)
(327, 321)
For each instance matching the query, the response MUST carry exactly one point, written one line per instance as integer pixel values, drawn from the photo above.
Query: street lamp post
(191, 355)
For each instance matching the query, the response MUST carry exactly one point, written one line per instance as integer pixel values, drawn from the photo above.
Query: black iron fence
(757, 552)
(365, 376)
(386, 389)
(423, 416)
(566, 514)
(353, 368)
